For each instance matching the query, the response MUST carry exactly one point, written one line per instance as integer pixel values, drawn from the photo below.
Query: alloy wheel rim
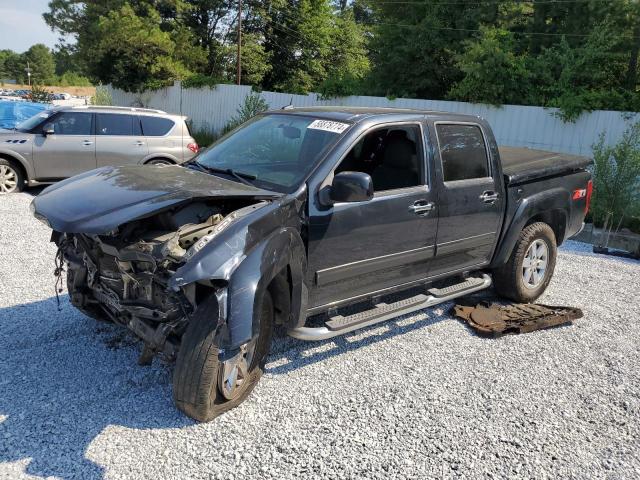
(235, 371)
(534, 265)
(8, 179)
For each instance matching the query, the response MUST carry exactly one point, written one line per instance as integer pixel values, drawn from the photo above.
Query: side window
(114, 124)
(463, 152)
(71, 123)
(155, 126)
(391, 155)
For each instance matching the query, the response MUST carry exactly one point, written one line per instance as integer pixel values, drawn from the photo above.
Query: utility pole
(239, 40)
(28, 70)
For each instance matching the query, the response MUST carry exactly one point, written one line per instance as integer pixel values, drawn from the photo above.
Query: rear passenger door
(119, 139)
(469, 197)
(161, 140)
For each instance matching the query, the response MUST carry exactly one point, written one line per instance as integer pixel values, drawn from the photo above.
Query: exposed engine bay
(123, 276)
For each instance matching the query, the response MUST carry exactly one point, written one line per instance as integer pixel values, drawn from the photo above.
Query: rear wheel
(530, 267)
(11, 178)
(205, 387)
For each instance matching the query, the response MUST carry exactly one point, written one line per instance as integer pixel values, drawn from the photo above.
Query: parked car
(300, 213)
(65, 141)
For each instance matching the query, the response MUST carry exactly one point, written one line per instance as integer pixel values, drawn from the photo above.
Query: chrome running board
(381, 312)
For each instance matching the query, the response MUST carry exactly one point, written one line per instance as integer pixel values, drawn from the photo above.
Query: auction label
(329, 126)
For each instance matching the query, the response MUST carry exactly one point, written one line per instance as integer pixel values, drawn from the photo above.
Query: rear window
(463, 152)
(155, 126)
(114, 124)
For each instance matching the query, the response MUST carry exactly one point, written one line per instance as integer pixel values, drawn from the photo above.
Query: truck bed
(520, 165)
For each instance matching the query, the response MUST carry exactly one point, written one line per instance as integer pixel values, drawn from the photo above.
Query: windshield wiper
(241, 176)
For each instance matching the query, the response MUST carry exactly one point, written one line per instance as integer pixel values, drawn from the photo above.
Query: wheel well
(556, 219)
(16, 163)
(280, 290)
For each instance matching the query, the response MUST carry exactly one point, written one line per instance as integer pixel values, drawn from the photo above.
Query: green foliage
(39, 59)
(204, 137)
(39, 94)
(134, 53)
(616, 176)
(253, 105)
(8, 63)
(199, 80)
(577, 56)
(41, 63)
(314, 48)
(347, 71)
(102, 96)
(493, 72)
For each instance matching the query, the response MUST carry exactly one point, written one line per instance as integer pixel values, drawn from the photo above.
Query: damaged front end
(124, 275)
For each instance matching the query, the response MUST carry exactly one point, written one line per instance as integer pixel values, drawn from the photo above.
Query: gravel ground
(421, 396)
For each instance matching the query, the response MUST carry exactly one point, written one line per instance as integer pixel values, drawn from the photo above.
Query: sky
(22, 25)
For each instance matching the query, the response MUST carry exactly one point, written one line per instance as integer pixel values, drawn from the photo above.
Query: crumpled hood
(99, 201)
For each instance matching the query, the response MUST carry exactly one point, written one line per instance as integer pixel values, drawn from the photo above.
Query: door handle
(86, 143)
(489, 197)
(139, 144)
(421, 207)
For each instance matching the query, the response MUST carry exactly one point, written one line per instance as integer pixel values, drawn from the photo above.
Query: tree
(493, 72)
(414, 45)
(41, 63)
(8, 63)
(133, 52)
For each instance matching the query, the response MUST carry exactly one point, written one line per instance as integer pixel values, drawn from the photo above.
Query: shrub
(204, 137)
(252, 106)
(616, 178)
(102, 96)
(39, 94)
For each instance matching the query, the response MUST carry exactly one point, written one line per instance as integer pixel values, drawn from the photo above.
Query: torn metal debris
(495, 319)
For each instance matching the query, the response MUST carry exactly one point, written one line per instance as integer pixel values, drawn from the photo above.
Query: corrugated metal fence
(514, 125)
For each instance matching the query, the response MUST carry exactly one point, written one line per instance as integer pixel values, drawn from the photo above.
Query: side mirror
(351, 187)
(48, 129)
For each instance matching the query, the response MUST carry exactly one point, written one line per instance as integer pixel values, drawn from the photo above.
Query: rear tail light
(589, 193)
(584, 193)
(193, 147)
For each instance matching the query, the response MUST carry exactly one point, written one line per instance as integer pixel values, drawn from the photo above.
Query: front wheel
(530, 267)
(205, 387)
(11, 179)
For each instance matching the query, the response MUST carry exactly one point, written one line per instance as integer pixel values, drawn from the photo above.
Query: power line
(489, 2)
(238, 66)
(454, 29)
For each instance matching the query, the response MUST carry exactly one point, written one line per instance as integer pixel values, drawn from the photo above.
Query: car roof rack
(126, 109)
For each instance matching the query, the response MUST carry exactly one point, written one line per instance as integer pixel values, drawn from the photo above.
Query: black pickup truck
(294, 216)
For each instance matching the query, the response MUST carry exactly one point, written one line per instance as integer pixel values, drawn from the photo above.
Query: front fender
(251, 278)
(28, 167)
(247, 256)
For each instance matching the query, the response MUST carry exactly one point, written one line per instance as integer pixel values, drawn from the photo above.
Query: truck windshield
(273, 151)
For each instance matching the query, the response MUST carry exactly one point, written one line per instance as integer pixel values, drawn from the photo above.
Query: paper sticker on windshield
(329, 126)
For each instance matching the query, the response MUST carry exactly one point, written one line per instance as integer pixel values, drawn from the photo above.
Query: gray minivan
(65, 141)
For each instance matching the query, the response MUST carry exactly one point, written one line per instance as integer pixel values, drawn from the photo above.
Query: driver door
(69, 150)
(361, 248)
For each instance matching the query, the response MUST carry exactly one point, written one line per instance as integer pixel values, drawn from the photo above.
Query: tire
(161, 162)
(510, 280)
(11, 177)
(198, 374)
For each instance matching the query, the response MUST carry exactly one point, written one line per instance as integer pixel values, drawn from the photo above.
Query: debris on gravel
(419, 396)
